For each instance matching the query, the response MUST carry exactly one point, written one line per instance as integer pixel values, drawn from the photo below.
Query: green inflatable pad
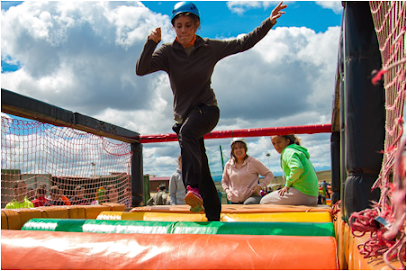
(155, 227)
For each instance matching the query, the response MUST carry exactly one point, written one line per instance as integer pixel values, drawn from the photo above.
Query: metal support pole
(137, 174)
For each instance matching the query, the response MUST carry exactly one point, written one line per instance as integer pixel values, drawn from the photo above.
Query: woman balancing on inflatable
(301, 182)
(189, 61)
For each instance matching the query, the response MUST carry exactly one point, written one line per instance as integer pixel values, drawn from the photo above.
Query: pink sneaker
(194, 199)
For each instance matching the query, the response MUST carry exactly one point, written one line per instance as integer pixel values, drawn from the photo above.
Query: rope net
(43, 156)
(386, 221)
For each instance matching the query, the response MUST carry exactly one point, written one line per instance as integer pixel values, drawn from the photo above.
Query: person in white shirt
(177, 186)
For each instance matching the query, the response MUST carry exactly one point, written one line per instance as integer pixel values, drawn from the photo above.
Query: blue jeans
(195, 166)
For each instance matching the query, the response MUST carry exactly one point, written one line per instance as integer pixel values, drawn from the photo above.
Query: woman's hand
(282, 191)
(228, 194)
(276, 13)
(155, 35)
(256, 191)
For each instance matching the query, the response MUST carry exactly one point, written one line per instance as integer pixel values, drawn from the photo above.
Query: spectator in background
(55, 197)
(63, 197)
(100, 196)
(325, 187)
(79, 198)
(266, 191)
(44, 187)
(159, 198)
(321, 197)
(177, 187)
(31, 194)
(40, 198)
(112, 194)
(20, 200)
(127, 199)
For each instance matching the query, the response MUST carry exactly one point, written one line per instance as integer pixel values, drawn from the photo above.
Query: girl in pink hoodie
(240, 178)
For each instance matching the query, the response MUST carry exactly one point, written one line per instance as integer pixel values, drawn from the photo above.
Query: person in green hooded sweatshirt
(100, 196)
(301, 185)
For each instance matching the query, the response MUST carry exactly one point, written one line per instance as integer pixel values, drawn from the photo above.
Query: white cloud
(336, 6)
(264, 80)
(81, 56)
(240, 7)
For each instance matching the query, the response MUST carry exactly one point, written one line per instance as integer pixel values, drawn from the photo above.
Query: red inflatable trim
(304, 129)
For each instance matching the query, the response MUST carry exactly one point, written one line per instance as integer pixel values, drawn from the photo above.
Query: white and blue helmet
(183, 7)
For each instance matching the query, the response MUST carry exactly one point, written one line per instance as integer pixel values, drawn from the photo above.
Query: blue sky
(218, 20)
(81, 56)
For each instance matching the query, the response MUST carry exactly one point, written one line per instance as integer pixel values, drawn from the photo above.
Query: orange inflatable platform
(71, 250)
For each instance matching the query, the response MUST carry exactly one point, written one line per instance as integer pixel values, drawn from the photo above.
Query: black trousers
(195, 166)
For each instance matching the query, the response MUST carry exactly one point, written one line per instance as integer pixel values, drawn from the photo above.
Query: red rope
(385, 240)
(336, 208)
(378, 77)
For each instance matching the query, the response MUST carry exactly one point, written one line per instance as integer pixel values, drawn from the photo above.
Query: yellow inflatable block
(115, 206)
(76, 211)
(27, 214)
(53, 212)
(256, 217)
(346, 245)
(236, 208)
(10, 219)
(339, 236)
(92, 211)
(152, 216)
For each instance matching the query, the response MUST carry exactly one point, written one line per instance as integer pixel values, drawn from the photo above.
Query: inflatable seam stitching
(8, 226)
